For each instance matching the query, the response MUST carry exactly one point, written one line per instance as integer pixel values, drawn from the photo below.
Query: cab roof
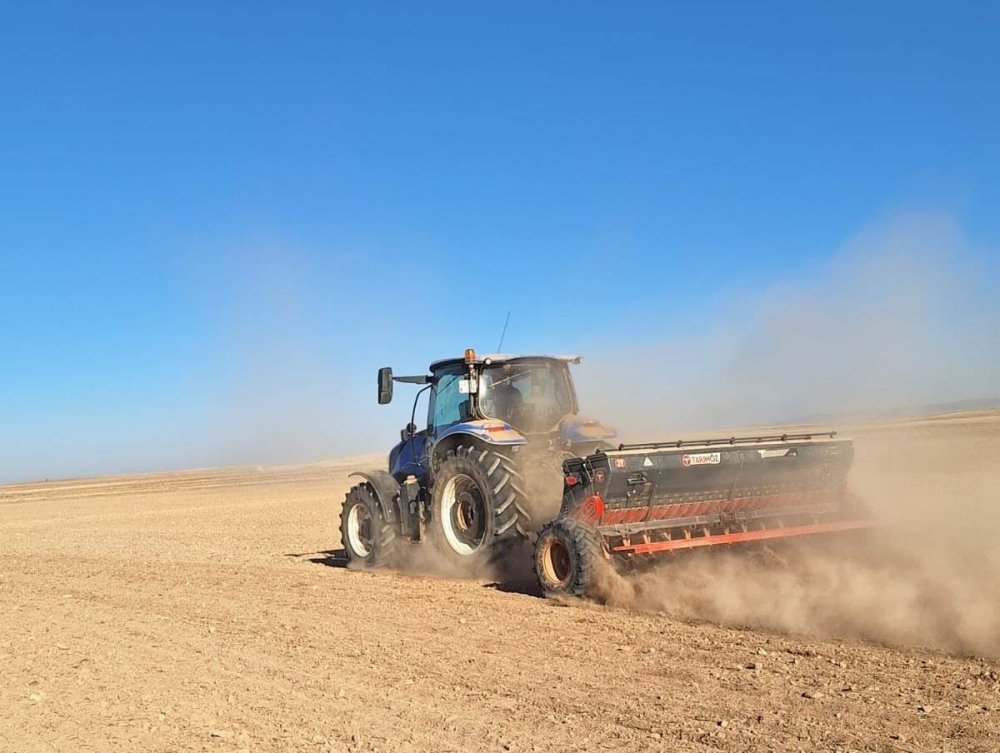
(488, 358)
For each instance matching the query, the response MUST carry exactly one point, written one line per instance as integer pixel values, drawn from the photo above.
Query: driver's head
(508, 401)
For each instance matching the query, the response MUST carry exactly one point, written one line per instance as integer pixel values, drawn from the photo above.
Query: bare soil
(210, 611)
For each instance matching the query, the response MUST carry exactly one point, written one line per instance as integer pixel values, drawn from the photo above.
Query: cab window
(531, 395)
(448, 405)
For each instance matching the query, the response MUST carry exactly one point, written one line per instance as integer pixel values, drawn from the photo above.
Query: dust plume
(901, 317)
(900, 321)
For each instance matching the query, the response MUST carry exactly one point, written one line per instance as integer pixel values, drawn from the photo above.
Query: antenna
(504, 331)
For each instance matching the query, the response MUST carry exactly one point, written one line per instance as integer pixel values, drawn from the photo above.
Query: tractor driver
(507, 402)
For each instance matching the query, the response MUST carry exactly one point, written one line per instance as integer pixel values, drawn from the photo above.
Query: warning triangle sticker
(647, 463)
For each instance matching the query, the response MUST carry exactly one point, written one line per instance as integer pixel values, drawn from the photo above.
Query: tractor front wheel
(367, 538)
(568, 554)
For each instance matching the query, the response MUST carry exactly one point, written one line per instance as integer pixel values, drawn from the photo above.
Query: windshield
(530, 395)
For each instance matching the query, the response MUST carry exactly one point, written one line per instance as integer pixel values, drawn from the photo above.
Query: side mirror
(384, 385)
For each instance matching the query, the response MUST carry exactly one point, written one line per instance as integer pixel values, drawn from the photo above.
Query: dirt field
(207, 611)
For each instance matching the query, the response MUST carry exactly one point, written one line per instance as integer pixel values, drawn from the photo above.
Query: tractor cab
(532, 394)
(493, 399)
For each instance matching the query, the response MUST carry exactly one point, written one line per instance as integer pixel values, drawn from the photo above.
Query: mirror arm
(413, 413)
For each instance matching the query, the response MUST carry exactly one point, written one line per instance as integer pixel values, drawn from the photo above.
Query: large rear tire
(367, 538)
(568, 554)
(478, 497)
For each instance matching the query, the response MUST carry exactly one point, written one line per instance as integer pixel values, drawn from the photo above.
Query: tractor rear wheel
(478, 497)
(367, 538)
(567, 556)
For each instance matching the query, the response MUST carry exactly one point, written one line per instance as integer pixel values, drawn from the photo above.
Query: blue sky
(216, 220)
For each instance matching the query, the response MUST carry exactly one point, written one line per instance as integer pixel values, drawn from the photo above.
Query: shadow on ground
(510, 572)
(328, 557)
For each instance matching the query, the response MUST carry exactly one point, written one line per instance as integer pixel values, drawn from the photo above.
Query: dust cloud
(898, 323)
(903, 317)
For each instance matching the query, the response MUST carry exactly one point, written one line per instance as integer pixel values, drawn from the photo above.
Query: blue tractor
(486, 468)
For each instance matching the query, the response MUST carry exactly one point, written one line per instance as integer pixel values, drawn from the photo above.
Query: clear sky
(217, 219)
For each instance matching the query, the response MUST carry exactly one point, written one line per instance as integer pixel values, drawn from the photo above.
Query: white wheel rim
(357, 516)
(449, 505)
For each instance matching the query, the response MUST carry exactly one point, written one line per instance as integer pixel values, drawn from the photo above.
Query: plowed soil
(210, 611)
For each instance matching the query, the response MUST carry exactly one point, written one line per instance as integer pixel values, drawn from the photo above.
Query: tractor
(485, 470)
(505, 456)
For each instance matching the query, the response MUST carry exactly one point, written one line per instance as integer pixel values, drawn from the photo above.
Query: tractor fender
(386, 491)
(488, 431)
